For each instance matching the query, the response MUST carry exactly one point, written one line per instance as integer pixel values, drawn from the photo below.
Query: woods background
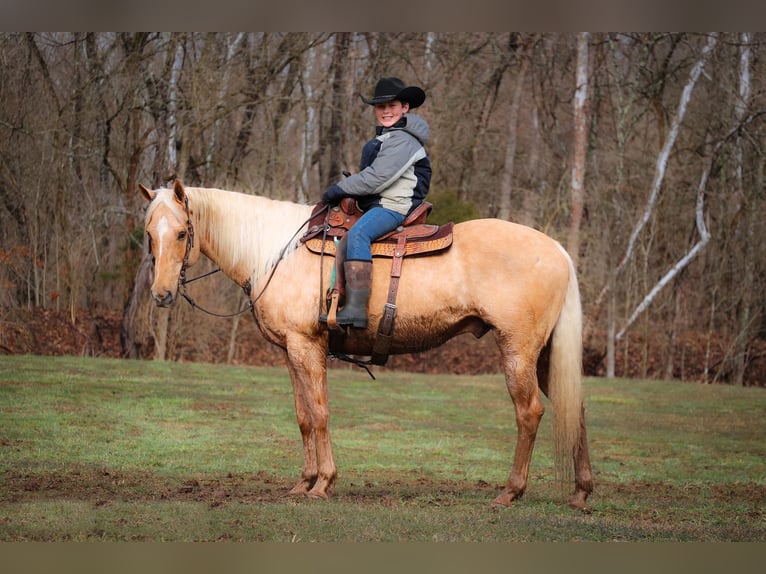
(642, 153)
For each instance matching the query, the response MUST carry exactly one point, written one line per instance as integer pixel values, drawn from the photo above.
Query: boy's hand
(333, 195)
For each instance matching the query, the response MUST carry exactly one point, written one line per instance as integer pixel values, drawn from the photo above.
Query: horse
(497, 276)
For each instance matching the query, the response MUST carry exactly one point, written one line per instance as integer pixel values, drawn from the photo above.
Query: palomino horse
(498, 276)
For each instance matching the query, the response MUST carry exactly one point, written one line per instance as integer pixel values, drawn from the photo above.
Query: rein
(250, 306)
(183, 281)
(247, 287)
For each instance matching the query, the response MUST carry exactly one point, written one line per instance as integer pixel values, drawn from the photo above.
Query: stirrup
(332, 314)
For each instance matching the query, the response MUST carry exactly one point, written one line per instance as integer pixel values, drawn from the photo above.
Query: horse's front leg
(306, 361)
(309, 470)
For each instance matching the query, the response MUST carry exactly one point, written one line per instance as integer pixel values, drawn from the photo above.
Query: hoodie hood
(413, 124)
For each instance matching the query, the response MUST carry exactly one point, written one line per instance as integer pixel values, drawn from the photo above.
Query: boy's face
(388, 113)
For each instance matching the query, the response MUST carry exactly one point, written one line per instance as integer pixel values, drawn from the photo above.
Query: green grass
(95, 449)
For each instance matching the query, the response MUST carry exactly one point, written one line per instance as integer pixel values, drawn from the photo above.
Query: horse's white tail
(565, 378)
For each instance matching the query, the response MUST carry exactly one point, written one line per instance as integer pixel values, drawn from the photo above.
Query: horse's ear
(148, 194)
(178, 191)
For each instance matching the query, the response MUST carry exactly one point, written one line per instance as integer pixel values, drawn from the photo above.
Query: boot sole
(341, 323)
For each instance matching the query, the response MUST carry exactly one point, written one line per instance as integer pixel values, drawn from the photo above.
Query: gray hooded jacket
(395, 171)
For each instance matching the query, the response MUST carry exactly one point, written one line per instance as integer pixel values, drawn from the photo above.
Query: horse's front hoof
(505, 499)
(300, 489)
(578, 503)
(317, 494)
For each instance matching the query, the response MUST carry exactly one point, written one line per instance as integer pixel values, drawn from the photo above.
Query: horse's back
(506, 237)
(499, 272)
(490, 253)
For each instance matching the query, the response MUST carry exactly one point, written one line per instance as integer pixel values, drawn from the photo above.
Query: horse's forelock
(164, 197)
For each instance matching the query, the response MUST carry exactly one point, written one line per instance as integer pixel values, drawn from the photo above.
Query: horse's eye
(181, 235)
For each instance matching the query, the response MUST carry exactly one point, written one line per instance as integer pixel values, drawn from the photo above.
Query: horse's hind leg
(521, 379)
(581, 457)
(583, 474)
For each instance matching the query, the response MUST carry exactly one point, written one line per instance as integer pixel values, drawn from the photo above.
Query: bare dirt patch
(102, 487)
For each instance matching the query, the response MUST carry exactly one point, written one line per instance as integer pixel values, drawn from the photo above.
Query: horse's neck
(245, 234)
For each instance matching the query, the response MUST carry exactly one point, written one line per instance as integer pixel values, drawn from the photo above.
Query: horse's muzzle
(163, 300)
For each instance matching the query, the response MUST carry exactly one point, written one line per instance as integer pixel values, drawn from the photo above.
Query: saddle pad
(431, 240)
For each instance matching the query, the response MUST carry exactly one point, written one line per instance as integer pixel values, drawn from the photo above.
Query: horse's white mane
(245, 232)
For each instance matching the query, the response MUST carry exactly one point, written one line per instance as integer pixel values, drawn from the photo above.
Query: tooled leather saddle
(326, 236)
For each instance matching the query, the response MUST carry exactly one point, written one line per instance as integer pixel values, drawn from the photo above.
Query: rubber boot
(358, 283)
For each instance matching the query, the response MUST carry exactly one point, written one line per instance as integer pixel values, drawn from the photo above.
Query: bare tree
(506, 181)
(659, 175)
(175, 63)
(746, 315)
(233, 45)
(336, 130)
(579, 147)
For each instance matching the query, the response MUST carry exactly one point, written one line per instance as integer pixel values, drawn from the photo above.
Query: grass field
(97, 449)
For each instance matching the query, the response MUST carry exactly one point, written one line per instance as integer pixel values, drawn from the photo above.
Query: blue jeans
(373, 223)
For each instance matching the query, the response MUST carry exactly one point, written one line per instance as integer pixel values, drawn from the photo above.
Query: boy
(394, 177)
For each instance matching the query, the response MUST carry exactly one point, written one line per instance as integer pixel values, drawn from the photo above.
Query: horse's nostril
(164, 300)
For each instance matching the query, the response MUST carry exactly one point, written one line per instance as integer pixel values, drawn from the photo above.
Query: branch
(662, 161)
(701, 227)
(44, 70)
(685, 260)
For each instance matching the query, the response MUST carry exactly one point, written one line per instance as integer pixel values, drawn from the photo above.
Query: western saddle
(326, 236)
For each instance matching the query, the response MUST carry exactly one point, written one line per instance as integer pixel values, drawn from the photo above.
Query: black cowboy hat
(389, 89)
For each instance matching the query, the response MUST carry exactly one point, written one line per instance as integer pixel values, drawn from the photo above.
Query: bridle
(189, 244)
(183, 281)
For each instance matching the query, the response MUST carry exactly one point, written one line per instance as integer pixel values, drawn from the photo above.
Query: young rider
(394, 177)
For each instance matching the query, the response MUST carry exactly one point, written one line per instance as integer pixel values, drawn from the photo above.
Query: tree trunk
(256, 82)
(161, 333)
(580, 145)
(232, 47)
(136, 331)
(233, 339)
(506, 181)
(745, 327)
(177, 51)
(303, 191)
(337, 114)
